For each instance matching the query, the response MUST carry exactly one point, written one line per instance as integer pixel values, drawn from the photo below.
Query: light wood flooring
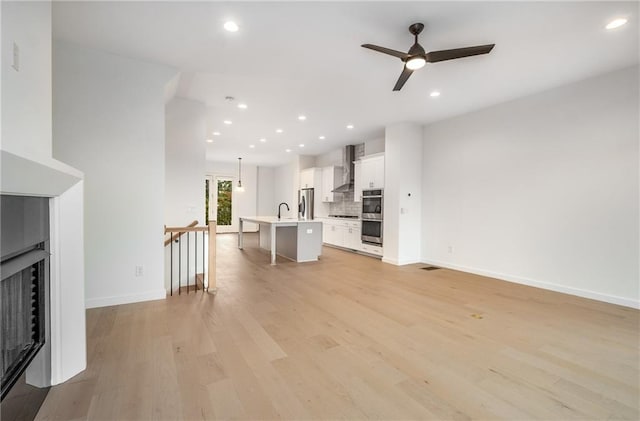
(350, 337)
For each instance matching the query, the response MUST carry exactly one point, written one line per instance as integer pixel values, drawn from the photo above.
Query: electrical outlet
(309, 230)
(16, 57)
(139, 270)
(451, 249)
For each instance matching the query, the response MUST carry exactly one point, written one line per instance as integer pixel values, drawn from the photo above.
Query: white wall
(109, 122)
(306, 161)
(243, 203)
(402, 193)
(333, 157)
(542, 190)
(26, 94)
(374, 146)
(286, 184)
(185, 162)
(266, 200)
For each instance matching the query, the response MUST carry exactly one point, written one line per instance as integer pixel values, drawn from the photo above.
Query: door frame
(213, 202)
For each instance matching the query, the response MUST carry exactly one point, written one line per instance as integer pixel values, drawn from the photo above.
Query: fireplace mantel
(35, 177)
(64, 185)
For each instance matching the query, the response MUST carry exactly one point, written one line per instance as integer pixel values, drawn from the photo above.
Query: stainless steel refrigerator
(305, 204)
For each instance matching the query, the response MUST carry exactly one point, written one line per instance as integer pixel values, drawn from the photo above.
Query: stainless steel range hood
(348, 156)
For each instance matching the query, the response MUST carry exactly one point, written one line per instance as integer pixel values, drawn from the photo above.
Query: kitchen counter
(296, 239)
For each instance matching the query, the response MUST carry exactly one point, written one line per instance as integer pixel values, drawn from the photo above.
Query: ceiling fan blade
(389, 51)
(402, 79)
(435, 56)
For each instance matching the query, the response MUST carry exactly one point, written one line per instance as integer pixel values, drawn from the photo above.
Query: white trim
(594, 295)
(160, 294)
(399, 262)
(55, 292)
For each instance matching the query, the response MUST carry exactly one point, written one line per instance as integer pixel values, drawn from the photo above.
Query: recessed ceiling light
(287, 150)
(228, 122)
(350, 126)
(252, 146)
(302, 117)
(209, 140)
(216, 133)
(231, 26)
(263, 140)
(434, 94)
(242, 106)
(301, 145)
(321, 137)
(279, 130)
(616, 23)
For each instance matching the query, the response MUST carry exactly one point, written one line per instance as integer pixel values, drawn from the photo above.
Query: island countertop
(274, 220)
(298, 239)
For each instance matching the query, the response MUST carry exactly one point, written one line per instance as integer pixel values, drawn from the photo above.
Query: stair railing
(208, 276)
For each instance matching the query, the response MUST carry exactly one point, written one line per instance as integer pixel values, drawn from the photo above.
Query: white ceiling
(294, 58)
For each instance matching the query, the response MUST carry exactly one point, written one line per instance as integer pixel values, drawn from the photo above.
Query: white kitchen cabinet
(371, 249)
(372, 172)
(311, 178)
(347, 234)
(352, 238)
(334, 233)
(342, 233)
(331, 178)
(357, 182)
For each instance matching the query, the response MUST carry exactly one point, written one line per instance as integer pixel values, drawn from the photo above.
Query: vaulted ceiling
(304, 58)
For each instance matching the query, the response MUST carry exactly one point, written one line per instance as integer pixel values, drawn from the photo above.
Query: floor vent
(430, 268)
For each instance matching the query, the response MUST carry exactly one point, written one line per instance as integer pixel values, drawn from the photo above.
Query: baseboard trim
(584, 293)
(160, 294)
(399, 262)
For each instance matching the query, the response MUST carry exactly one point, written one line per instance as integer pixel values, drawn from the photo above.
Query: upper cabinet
(331, 178)
(311, 178)
(371, 173)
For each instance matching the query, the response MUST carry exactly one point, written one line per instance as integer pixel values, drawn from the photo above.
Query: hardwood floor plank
(350, 337)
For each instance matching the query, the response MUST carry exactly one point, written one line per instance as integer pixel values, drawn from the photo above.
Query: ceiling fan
(416, 57)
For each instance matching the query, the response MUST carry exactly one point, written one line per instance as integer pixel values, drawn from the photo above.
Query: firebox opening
(24, 301)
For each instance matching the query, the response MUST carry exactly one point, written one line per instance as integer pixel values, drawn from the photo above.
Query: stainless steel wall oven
(372, 216)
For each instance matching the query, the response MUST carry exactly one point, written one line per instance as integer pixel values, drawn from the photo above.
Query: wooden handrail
(177, 232)
(186, 229)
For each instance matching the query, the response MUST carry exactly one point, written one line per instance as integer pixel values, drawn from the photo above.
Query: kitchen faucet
(280, 205)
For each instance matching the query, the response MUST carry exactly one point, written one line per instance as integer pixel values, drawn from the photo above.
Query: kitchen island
(298, 240)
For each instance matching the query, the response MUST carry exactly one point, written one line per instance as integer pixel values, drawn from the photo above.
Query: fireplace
(24, 301)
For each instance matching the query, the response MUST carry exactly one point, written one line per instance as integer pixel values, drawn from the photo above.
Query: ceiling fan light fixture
(416, 63)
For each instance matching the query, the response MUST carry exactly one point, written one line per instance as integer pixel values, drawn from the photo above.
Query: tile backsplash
(345, 205)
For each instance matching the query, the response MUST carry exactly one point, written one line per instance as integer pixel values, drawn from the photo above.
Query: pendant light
(239, 186)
